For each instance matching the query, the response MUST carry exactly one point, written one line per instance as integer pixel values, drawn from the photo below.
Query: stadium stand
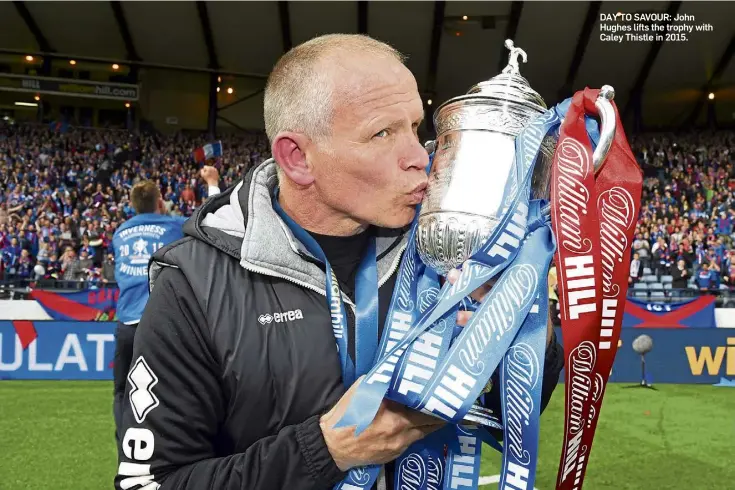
(685, 238)
(63, 194)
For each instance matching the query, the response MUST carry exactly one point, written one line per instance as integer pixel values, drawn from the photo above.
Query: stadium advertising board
(87, 305)
(679, 355)
(56, 350)
(696, 313)
(85, 350)
(70, 87)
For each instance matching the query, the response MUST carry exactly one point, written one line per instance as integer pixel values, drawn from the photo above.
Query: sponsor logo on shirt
(286, 316)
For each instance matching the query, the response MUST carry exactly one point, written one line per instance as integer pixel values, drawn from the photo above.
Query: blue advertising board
(85, 350)
(56, 350)
(679, 355)
(696, 313)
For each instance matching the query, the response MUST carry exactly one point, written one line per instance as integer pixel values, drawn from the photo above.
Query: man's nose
(416, 156)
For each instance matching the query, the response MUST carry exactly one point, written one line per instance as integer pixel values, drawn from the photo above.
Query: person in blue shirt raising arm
(135, 242)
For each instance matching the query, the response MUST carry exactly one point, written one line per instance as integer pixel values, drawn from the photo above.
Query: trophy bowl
(474, 154)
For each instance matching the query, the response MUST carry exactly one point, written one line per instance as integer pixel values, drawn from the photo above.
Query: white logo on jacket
(142, 379)
(281, 317)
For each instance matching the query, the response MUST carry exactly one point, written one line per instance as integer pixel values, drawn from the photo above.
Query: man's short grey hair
(299, 95)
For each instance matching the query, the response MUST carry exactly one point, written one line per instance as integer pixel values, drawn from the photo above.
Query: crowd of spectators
(63, 194)
(685, 228)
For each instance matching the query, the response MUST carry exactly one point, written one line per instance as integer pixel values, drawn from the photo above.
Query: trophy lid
(509, 85)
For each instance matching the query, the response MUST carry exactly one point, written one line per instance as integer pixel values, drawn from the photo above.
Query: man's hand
(394, 428)
(209, 175)
(479, 294)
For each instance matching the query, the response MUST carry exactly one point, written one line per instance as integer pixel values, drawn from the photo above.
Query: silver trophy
(473, 157)
(474, 154)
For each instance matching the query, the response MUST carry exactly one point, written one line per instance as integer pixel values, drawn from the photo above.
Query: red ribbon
(593, 218)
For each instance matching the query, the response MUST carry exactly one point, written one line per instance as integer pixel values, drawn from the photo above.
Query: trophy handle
(607, 127)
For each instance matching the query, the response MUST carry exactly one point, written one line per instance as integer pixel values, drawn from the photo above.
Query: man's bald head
(302, 88)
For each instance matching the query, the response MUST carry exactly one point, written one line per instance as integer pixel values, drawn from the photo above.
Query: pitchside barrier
(50, 342)
(84, 350)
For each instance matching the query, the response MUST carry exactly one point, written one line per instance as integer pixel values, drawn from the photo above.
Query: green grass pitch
(59, 435)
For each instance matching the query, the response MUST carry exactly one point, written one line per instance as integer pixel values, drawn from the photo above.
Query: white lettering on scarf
(581, 365)
(615, 207)
(464, 462)
(421, 363)
(521, 369)
(579, 282)
(513, 293)
(514, 231)
(335, 309)
(412, 472)
(572, 195)
(399, 325)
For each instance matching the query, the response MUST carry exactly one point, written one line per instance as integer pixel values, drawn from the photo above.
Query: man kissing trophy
(512, 185)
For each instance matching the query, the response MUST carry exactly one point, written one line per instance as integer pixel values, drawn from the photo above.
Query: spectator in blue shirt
(134, 243)
(705, 278)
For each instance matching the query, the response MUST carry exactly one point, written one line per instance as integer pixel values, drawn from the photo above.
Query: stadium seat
(657, 294)
(647, 271)
(655, 285)
(667, 285)
(649, 279)
(640, 294)
(640, 285)
(665, 279)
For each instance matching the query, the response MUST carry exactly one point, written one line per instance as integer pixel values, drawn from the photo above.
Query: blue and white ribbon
(426, 363)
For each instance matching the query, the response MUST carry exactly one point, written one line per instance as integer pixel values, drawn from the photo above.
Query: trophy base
(482, 416)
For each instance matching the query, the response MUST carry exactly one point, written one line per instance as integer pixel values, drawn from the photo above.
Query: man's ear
(289, 150)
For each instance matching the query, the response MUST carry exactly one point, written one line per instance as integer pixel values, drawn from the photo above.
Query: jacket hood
(242, 223)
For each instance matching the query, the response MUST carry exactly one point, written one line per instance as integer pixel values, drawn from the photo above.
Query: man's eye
(381, 134)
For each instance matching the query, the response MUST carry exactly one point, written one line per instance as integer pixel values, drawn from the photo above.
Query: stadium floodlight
(27, 104)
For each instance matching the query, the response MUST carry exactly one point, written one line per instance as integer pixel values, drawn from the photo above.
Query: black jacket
(235, 359)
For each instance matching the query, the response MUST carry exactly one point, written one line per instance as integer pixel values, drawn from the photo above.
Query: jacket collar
(242, 223)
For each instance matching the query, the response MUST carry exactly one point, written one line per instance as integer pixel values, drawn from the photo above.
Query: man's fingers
(453, 275)
(416, 433)
(463, 317)
(480, 293)
(419, 419)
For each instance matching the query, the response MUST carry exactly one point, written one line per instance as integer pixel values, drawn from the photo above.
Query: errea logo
(280, 317)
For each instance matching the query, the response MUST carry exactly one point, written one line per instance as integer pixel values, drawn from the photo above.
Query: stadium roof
(447, 53)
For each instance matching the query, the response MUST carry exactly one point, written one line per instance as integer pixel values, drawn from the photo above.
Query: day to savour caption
(650, 27)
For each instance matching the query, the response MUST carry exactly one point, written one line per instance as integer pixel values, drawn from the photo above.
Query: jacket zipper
(395, 264)
(268, 272)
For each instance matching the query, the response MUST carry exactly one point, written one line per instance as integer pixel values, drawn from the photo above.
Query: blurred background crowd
(63, 194)
(685, 233)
